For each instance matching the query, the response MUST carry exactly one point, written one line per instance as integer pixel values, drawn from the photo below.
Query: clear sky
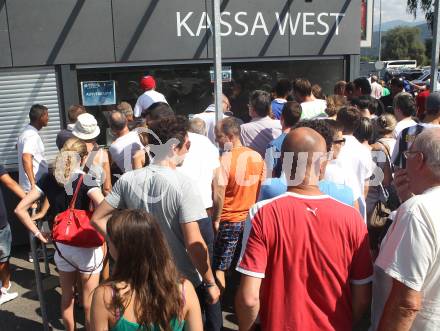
(394, 10)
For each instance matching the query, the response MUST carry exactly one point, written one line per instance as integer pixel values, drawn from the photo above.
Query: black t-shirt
(60, 197)
(388, 103)
(3, 212)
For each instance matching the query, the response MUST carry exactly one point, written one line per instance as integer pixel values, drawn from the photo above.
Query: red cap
(148, 83)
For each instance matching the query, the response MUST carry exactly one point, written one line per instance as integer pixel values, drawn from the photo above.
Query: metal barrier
(38, 277)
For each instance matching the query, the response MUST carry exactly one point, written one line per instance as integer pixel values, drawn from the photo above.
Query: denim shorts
(227, 244)
(5, 243)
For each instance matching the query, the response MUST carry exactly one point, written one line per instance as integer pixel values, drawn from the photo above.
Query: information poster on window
(226, 74)
(366, 22)
(98, 93)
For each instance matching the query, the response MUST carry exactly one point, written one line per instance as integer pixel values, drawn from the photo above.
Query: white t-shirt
(30, 142)
(402, 125)
(409, 253)
(199, 165)
(146, 100)
(313, 109)
(208, 116)
(376, 90)
(123, 149)
(356, 158)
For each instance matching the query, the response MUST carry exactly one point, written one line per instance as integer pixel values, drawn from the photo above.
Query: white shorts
(83, 258)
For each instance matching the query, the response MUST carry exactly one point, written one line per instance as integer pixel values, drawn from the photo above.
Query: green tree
(426, 6)
(403, 43)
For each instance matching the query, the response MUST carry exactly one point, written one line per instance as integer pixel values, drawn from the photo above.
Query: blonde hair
(385, 124)
(69, 159)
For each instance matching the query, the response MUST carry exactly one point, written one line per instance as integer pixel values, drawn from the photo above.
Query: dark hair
(362, 102)
(405, 102)
(334, 103)
(349, 87)
(302, 87)
(74, 111)
(230, 126)
(260, 102)
(117, 121)
(363, 84)
(36, 112)
(291, 113)
(373, 105)
(349, 118)
(157, 111)
(334, 126)
(339, 88)
(321, 127)
(283, 87)
(164, 129)
(397, 82)
(317, 92)
(364, 131)
(147, 266)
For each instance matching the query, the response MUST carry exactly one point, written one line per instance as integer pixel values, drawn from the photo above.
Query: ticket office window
(188, 88)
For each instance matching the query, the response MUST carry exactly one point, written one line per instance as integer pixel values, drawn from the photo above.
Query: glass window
(188, 89)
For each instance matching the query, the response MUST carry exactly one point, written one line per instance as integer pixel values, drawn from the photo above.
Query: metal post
(435, 48)
(380, 30)
(38, 279)
(218, 88)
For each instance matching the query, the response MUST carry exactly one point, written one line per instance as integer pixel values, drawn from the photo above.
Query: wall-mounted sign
(226, 74)
(98, 93)
(366, 22)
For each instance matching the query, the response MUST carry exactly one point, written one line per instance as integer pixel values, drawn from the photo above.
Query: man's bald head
(118, 121)
(302, 153)
(304, 140)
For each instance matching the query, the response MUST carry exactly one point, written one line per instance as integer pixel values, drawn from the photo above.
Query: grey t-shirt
(171, 198)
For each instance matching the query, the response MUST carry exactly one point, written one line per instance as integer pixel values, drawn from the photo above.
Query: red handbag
(72, 226)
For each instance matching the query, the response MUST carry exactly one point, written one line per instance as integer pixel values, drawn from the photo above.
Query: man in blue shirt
(290, 116)
(282, 91)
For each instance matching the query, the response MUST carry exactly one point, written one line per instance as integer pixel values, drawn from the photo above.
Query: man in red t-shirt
(421, 101)
(306, 264)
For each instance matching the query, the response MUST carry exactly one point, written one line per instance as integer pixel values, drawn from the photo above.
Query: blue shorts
(227, 244)
(5, 243)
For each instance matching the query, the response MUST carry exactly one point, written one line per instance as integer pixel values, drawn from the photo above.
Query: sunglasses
(339, 141)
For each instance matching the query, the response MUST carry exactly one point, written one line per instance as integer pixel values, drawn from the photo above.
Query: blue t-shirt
(273, 158)
(277, 107)
(273, 187)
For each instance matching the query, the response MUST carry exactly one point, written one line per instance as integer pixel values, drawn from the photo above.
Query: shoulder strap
(388, 155)
(75, 195)
(183, 293)
(90, 159)
(118, 314)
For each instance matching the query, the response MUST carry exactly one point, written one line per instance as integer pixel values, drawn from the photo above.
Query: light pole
(435, 48)
(380, 30)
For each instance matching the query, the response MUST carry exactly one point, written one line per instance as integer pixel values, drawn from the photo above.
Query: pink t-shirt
(308, 250)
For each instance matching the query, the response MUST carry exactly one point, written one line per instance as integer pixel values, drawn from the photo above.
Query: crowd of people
(324, 205)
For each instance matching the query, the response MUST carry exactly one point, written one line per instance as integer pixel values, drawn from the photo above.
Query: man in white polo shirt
(32, 163)
(150, 96)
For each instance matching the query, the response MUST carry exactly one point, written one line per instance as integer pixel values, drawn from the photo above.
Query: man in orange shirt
(236, 189)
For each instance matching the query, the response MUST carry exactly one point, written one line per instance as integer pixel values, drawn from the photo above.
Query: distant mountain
(395, 23)
(425, 33)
